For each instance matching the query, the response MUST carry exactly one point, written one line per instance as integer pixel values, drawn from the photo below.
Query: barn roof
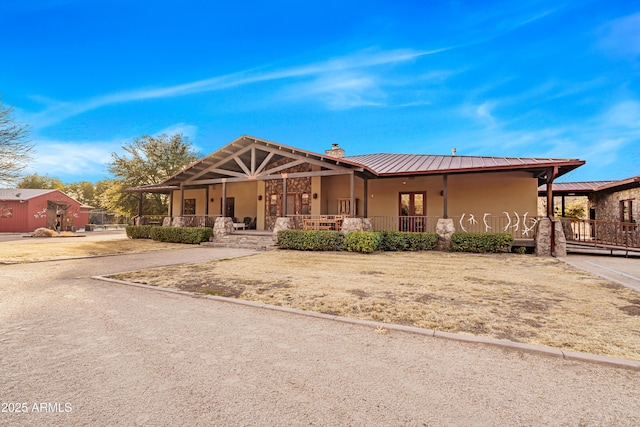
(22, 193)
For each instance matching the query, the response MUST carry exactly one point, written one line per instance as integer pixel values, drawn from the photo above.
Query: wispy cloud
(621, 37)
(322, 71)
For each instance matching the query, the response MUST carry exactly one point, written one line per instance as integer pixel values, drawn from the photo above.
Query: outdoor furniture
(319, 224)
(239, 226)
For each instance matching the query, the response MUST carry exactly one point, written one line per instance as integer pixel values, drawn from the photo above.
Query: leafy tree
(14, 147)
(82, 191)
(147, 160)
(40, 181)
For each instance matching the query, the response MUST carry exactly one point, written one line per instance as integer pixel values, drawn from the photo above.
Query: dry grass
(515, 297)
(68, 246)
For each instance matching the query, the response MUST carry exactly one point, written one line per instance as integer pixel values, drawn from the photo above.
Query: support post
(445, 194)
(224, 199)
(365, 203)
(206, 201)
(562, 206)
(284, 194)
(140, 205)
(551, 175)
(352, 199)
(181, 200)
(170, 204)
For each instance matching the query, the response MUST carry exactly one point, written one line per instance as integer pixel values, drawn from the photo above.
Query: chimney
(335, 151)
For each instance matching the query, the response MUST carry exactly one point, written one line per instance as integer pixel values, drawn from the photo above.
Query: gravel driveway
(77, 351)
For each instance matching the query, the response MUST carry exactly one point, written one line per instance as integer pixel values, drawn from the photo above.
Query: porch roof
(584, 188)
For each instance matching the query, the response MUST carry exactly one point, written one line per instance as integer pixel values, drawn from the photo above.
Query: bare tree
(15, 150)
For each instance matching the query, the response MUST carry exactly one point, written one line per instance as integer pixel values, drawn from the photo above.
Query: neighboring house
(259, 180)
(607, 200)
(24, 210)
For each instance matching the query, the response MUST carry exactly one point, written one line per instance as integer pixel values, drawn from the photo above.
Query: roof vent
(335, 151)
(453, 151)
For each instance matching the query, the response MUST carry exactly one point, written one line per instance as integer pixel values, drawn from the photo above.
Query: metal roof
(22, 193)
(421, 164)
(583, 188)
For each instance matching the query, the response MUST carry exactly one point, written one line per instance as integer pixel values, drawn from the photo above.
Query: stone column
(356, 224)
(445, 229)
(166, 221)
(282, 223)
(178, 221)
(543, 238)
(222, 227)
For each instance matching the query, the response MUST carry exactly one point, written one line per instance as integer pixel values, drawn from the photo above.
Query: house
(24, 210)
(606, 200)
(257, 181)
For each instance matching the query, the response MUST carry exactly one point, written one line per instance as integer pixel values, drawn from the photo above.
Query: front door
(231, 209)
(412, 211)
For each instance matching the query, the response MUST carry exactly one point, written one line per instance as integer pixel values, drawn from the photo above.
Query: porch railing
(404, 223)
(520, 227)
(602, 233)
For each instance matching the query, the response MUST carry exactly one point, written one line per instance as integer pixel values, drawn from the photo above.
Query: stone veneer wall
(608, 204)
(294, 185)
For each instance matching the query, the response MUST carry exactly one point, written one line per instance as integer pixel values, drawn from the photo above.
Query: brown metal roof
(422, 164)
(583, 188)
(574, 187)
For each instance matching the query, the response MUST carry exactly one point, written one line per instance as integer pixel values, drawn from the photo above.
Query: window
(273, 205)
(305, 208)
(189, 207)
(626, 210)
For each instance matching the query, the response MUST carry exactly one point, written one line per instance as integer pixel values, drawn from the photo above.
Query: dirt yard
(516, 297)
(30, 249)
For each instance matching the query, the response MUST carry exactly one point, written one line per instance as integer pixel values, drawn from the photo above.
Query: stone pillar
(356, 224)
(282, 223)
(543, 238)
(222, 227)
(178, 221)
(445, 228)
(166, 221)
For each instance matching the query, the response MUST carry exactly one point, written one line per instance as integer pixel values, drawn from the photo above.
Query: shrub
(191, 235)
(310, 240)
(405, 241)
(139, 231)
(481, 242)
(362, 241)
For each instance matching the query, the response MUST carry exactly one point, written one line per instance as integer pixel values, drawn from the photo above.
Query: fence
(602, 233)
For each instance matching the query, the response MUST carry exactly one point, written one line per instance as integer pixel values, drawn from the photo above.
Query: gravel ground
(97, 353)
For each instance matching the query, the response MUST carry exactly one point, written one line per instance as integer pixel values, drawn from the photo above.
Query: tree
(15, 149)
(147, 160)
(82, 191)
(39, 181)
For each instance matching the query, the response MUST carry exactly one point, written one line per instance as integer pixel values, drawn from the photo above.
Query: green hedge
(192, 235)
(355, 241)
(481, 242)
(139, 231)
(362, 241)
(310, 240)
(405, 241)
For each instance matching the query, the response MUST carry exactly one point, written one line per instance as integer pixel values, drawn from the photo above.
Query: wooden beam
(242, 165)
(365, 201)
(282, 167)
(228, 172)
(224, 199)
(253, 160)
(264, 163)
(181, 200)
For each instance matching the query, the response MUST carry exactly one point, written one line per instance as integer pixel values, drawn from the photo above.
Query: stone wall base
(166, 221)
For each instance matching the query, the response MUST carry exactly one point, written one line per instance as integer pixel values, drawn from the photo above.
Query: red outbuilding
(23, 210)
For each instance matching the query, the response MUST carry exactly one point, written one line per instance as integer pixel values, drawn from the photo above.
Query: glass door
(412, 211)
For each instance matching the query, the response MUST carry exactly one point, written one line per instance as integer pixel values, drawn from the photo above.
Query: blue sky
(531, 78)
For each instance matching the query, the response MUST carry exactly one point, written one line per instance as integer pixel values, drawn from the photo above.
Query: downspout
(552, 173)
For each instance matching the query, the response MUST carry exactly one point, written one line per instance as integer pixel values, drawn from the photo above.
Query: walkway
(118, 355)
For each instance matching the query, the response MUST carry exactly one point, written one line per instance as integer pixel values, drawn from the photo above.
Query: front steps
(261, 241)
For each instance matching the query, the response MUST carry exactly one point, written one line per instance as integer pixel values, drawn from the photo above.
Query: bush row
(356, 241)
(192, 235)
(481, 242)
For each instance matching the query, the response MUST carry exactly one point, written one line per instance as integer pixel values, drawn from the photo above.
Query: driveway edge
(508, 345)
